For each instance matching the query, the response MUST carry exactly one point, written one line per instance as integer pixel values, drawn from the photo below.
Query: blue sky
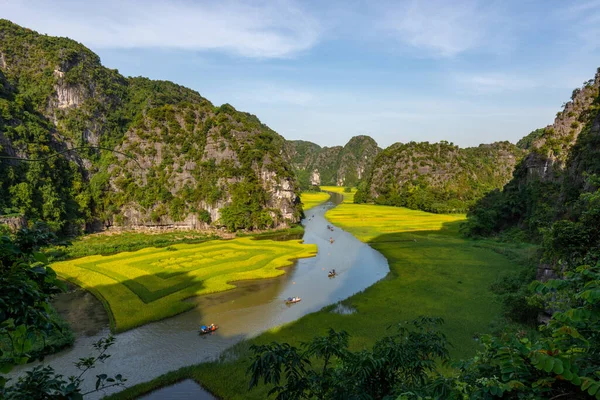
(468, 71)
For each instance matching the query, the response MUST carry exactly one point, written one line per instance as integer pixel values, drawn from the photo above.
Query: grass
(313, 199)
(348, 197)
(106, 244)
(151, 284)
(433, 271)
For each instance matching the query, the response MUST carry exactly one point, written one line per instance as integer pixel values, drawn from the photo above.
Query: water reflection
(255, 306)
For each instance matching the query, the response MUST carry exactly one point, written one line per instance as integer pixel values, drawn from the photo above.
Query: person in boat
(333, 271)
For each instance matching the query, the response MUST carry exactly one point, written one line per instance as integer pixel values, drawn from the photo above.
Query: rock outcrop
(333, 166)
(149, 153)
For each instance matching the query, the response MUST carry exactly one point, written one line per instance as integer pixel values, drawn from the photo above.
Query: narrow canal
(146, 352)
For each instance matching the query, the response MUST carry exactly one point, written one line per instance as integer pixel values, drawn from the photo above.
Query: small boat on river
(292, 300)
(332, 273)
(208, 329)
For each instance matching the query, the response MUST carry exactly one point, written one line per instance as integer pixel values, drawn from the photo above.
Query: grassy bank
(433, 271)
(312, 199)
(151, 284)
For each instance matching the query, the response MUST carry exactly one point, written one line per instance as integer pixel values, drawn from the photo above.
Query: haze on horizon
(469, 72)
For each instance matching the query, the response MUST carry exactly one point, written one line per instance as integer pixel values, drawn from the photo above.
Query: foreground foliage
(27, 284)
(151, 284)
(324, 368)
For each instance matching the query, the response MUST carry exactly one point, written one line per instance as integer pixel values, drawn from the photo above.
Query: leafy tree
(27, 284)
(325, 368)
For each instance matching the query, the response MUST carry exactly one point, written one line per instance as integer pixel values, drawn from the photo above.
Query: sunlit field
(313, 199)
(348, 197)
(367, 222)
(433, 272)
(151, 284)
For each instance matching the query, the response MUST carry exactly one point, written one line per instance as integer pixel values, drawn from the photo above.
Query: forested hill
(338, 165)
(554, 192)
(179, 160)
(438, 177)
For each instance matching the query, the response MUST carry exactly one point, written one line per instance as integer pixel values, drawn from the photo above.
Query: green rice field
(150, 284)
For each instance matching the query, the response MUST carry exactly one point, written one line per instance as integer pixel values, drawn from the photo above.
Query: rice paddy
(368, 222)
(150, 284)
(433, 271)
(313, 199)
(348, 197)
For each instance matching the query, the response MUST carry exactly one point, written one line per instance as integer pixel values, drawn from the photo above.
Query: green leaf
(558, 367)
(41, 257)
(549, 364)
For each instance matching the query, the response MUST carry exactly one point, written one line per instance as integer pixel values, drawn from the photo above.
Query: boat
(331, 274)
(208, 329)
(292, 300)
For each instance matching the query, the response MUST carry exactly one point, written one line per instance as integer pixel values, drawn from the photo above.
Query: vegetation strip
(151, 284)
(433, 272)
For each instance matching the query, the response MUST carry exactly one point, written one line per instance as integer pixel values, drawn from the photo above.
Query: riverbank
(433, 271)
(151, 284)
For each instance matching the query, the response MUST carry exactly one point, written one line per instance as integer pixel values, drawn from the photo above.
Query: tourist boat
(331, 274)
(292, 300)
(208, 329)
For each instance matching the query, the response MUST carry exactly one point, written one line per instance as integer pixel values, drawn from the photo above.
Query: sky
(465, 71)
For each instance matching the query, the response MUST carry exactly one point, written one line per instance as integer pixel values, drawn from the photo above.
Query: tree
(27, 284)
(325, 368)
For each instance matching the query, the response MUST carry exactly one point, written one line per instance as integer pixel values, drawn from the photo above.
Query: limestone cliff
(338, 166)
(178, 160)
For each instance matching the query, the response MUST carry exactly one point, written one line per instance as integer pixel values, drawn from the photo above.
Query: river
(146, 352)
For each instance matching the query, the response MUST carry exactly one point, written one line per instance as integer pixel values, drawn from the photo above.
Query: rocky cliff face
(177, 160)
(438, 177)
(553, 195)
(337, 166)
(550, 151)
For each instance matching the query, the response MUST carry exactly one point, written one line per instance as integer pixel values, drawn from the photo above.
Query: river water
(144, 353)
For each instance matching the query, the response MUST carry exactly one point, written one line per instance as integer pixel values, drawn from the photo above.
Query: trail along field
(150, 284)
(433, 272)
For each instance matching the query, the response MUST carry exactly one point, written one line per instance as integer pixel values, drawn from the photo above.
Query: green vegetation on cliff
(339, 165)
(179, 160)
(553, 194)
(438, 177)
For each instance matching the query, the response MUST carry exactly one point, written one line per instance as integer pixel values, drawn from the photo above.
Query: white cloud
(262, 29)
(447, 28)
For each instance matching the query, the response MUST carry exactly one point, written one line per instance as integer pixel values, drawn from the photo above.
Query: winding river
(144, 353)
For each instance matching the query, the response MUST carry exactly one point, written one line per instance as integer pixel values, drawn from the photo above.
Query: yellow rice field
(150, 284)
(367, 222)
(312, 199)
(348, 197)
